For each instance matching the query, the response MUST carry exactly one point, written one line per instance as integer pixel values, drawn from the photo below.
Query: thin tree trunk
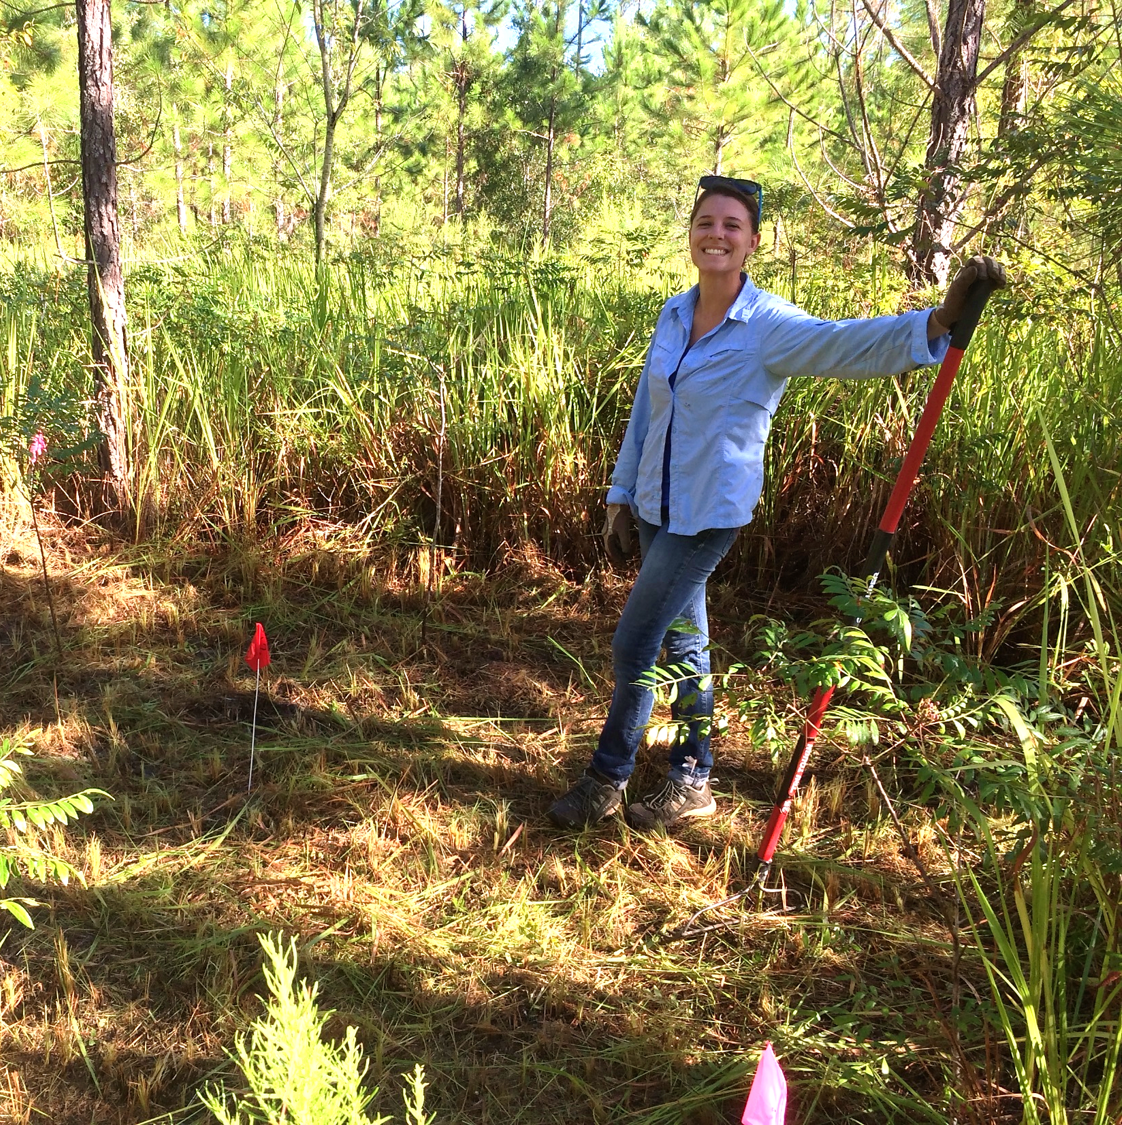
(105, 279)
(334, 103)
(210, 177)
(50, 189)
(227, 147)
(444, 181)
(278, 201)
(1014, 88)
(134, 218)
(952, 107)
(463, 82)
(550, 144)
(458, 205)
(180, 202)
(324, 193)
(379, 76)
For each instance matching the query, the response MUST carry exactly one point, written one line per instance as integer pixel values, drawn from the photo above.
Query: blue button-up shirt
(718, 410)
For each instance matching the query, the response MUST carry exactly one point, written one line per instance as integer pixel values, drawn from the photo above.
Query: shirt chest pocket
(717, 376)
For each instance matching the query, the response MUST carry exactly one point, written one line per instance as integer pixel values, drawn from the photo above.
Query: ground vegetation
(376, 412)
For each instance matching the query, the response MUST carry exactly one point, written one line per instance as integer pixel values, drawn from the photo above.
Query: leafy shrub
(22, 855)
(295, 1077)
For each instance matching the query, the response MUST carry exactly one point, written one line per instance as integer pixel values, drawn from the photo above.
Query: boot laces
(668, 795)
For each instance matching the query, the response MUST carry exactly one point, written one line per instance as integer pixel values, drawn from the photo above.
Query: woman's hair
(749, 202)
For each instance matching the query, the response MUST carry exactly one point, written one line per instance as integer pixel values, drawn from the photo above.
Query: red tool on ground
(878, 551)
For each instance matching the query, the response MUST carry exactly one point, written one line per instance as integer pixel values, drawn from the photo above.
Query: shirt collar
(744, 300)
(684, 303)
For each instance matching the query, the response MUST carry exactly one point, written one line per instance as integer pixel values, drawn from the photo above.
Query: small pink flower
(37, 447)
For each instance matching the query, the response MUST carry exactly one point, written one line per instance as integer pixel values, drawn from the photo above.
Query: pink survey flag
(257, 657)
(767, 1100)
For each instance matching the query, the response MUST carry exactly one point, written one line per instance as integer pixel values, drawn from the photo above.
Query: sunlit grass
(462, 396)
(289, 445)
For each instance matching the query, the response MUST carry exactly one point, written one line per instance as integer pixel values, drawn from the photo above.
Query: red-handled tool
(878, 551)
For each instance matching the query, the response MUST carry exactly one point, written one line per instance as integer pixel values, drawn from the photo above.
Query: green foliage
(58, 413)
(22, 822)
(1048, 929)
(714, 100)
(295, 1076)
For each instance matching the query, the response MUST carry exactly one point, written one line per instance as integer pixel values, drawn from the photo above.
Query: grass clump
(294, 1075)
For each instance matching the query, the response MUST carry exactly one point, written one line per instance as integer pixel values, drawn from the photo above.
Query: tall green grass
(1045, 916)
(496, 388)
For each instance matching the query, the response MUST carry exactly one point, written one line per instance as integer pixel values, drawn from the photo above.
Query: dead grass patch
(408, 747)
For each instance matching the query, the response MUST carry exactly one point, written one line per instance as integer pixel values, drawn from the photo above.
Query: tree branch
(899, 47)
(38, 164)
(814, 194)
(868, 141)
(836, 170)
(283, 149)
(794, 108)
(1021, 40)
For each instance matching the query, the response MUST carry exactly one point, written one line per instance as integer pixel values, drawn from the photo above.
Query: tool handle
(960, 336)
(961, 333)
(976, 298)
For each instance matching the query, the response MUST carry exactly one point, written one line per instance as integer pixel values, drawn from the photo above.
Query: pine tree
(549, 101)
(717, 101)
(462, 66)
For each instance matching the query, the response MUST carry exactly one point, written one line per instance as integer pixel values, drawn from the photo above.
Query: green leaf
(16, 908)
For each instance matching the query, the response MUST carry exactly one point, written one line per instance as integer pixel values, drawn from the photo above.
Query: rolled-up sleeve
(794, 343)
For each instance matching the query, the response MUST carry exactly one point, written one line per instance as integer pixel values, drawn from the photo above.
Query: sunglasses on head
(745, 187)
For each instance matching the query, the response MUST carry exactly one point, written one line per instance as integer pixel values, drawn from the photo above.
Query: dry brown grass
(397, 829)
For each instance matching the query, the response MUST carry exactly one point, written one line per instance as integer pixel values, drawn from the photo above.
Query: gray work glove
(617, 533)
(978, 268)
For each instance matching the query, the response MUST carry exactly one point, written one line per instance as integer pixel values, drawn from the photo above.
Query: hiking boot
(592, 799)
(671, 802)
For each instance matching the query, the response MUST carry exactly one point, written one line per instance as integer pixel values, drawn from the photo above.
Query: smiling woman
(691, 471)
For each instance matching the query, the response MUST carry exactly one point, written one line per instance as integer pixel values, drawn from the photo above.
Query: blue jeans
(671, 584)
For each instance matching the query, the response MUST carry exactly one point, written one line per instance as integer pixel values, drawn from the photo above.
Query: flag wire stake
(253, 731)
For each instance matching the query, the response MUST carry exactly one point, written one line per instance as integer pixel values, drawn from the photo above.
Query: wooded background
(425, 164)
(921, 125)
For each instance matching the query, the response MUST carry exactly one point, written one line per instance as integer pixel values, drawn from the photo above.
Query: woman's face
(721, 236)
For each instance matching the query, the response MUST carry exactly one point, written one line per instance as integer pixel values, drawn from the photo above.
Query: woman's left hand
(617, 533)
(978, 268)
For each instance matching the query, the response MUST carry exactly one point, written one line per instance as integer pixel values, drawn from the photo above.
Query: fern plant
(21, 822)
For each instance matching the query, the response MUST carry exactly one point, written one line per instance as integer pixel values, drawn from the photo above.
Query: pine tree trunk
(105, 280)
(952, 107)
(227, 147)
(463, 81)
(278, 201)
(210, 179)
(324, 193)
(458, 205)
(379, 76)
(180, 202)
(444, 179)
(550, 143)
